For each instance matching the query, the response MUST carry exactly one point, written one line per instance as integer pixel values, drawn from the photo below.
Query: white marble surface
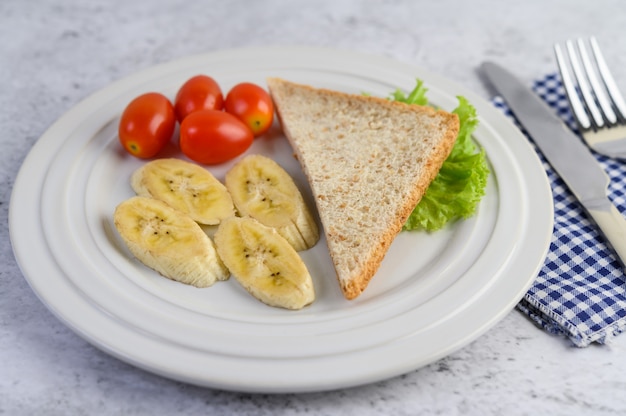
(55, 53)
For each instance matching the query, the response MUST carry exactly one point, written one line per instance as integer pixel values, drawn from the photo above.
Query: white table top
(54, 54)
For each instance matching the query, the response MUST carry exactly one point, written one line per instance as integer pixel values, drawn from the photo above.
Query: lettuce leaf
(460, 184)
(417, 96)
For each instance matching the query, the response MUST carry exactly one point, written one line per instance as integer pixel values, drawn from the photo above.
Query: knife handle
(613, 226)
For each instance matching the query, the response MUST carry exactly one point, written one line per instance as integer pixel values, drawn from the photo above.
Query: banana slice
(264, 263)
(262, 189)
(186, 187)
(168, 241)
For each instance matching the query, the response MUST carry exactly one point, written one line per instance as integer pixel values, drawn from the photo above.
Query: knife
(567, 154)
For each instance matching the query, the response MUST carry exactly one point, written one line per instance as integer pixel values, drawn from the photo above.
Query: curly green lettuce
(460, 184)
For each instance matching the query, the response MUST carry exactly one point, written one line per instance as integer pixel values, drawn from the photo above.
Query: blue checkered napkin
(580, 291)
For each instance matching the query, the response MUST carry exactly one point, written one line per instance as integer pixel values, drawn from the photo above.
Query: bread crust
(447, 126)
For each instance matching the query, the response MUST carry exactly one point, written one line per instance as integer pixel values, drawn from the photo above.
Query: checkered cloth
(580, 291)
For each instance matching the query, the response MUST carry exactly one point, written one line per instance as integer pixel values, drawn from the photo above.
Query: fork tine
(596, 87)
(611, 86)
(583, 86)
(570, 89)
(606, 132)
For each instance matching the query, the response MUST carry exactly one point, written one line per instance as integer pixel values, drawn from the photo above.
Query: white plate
(433, 294)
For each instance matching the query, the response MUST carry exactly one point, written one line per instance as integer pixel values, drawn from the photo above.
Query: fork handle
(610, 142)
(613, 227)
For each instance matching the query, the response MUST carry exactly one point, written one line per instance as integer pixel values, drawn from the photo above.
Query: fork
(601, 113)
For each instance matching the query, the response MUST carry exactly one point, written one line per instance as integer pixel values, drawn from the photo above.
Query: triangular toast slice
(369, 161)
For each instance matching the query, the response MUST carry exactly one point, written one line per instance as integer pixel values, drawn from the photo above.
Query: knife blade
(567, 154)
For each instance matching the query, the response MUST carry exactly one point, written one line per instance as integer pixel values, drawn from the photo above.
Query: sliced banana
(168, 241)
(186, 187)
(262, 189)
(264, 263)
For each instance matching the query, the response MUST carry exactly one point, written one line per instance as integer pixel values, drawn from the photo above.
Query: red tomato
(252, 105)
(212, 136)
(198, 93)
(147, 124)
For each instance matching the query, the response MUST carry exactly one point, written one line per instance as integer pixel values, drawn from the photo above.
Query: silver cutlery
(567, 154)
(596, 102)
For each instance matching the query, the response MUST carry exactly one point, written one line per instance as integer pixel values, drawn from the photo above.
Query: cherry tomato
(252, 105)
(147, 124)
(198, 93)
(212, 136)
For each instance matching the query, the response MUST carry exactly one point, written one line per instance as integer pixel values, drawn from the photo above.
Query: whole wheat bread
(369, 161)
